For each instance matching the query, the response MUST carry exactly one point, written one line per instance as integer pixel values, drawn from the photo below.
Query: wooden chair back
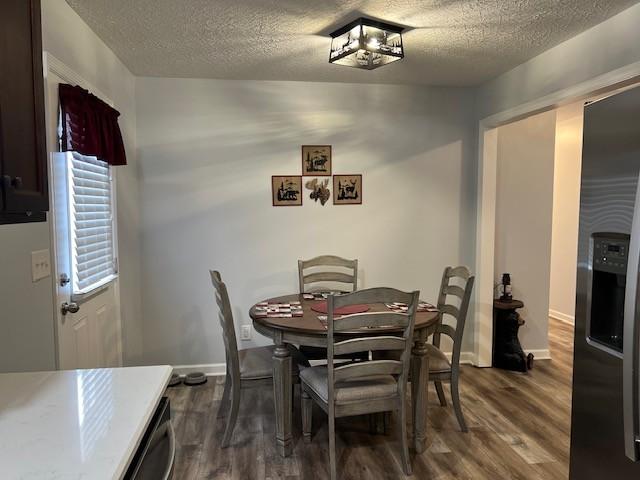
(391, 343)
(457, 283)
(325, 270)
(226, 322)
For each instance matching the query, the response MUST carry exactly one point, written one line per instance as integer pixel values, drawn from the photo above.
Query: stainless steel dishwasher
(155, 456)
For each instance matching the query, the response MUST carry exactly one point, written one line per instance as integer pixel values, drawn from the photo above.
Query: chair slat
(373, 320)
(454, 290)
(327, 277)
(447, 330)
(373, 295)
(329, 260)
(462, 272)
(219, 299)
(450, 310)
(317, 289)
(367, 369)
(369, 344)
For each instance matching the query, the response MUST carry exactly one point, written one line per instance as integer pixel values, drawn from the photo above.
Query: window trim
(96, 289)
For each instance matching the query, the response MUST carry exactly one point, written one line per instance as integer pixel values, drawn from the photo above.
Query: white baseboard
(209, 369)
(543, 354)
(563, 317)
(466, 358)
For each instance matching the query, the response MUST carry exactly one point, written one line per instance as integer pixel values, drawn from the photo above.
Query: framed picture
(319, 190)
(286, 191)
(316, 160)
(347, 189)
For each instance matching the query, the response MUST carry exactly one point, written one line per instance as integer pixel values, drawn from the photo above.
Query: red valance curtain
(90, 126)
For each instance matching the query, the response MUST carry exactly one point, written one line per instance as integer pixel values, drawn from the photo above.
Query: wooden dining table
(308, 330)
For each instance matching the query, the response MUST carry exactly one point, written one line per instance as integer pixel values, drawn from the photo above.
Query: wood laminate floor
(519, 429)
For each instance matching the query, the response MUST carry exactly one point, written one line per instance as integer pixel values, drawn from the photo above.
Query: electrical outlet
(245, 332)
(40, 264)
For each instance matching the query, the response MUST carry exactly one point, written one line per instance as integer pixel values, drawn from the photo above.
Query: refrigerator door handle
(630, 366)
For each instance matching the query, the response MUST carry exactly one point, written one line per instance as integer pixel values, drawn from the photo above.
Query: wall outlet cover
(40, 264)
(245, 332)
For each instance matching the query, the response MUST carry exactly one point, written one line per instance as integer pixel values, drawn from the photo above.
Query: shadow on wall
(207, 151)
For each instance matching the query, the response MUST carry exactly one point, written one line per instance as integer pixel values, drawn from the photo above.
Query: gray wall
(524, 208)
(207, 150)
(26, 321)
(566, 211)
(606, 47)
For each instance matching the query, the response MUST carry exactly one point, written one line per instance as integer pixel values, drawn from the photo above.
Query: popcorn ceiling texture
(450, 42)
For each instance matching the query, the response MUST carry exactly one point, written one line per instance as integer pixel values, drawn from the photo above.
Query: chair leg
(440, 392)
(332, 447)
(293, 393)
(455, 398)
(233, 415)
(404, 441)
(224, 403)
(307, 413)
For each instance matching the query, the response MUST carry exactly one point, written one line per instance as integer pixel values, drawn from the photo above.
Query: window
(91, 223)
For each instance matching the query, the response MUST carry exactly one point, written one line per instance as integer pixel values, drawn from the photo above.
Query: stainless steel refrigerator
(604, 426)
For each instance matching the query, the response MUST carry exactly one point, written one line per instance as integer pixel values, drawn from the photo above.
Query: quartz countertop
(75, 424)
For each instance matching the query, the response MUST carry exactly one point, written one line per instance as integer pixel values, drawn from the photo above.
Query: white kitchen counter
(75, 424)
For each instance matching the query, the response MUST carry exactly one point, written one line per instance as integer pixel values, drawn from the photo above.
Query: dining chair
(327, 272)
(457, 282)
(366, 387)
(245, 368)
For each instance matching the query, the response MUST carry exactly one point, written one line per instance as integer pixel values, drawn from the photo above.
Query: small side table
(507, 351)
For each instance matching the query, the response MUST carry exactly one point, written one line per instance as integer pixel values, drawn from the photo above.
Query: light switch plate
(40, 264)
(245, 332)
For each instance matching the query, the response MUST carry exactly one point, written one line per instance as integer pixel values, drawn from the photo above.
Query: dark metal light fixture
(367, 44)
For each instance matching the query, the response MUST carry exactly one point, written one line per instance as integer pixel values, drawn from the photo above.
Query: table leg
(419, 391)
(282, 397)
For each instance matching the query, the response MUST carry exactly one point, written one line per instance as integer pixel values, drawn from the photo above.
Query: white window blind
(91, 222)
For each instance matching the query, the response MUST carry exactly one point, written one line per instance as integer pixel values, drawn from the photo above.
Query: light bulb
(373, 43)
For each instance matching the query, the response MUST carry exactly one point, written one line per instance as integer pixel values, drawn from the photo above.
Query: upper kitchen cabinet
(23, 165)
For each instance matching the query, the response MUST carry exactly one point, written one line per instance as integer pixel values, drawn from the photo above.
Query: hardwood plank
(528, 449)
(187, 466)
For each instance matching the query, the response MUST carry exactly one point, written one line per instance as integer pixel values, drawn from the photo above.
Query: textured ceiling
(449, 42)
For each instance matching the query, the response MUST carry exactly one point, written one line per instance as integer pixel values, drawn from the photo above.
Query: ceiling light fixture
(366, 44)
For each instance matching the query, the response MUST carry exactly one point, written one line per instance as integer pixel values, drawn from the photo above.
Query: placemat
(278, 310)
(402, 307)
(321, 295)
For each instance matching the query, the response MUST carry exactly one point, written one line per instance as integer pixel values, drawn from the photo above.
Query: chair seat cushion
(438, 361)
(257, 363)
(374, 387)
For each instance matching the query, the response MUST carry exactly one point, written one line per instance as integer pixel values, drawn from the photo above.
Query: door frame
(52, 65)
(486, 196)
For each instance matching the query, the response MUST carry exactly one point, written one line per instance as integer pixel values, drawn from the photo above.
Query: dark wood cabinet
(23, 155)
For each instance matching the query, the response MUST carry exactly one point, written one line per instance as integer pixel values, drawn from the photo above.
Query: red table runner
(321, 307)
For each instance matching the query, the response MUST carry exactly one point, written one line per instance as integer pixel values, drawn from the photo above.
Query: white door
(91, 336)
